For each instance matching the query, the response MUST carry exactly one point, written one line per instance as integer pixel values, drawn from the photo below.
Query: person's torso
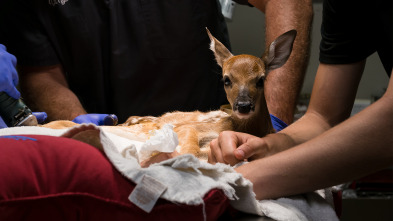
(353, 30)
(137, 57)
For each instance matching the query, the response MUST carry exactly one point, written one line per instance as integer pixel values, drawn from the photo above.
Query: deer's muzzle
(244, 105)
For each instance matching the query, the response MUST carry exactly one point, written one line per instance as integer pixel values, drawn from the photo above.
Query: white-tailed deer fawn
(243, 77)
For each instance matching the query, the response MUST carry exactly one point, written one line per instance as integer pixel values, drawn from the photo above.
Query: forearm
(47, 90)
(306, 128)
(331, 102)
(283, 85)
(348, 151)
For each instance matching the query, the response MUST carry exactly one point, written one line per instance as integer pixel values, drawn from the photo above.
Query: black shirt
(352, 30)
(125, 57)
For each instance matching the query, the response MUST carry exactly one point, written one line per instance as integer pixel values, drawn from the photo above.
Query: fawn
(243, 77)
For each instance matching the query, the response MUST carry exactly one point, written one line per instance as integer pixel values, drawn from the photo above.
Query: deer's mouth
(244, 116)
(244, 108)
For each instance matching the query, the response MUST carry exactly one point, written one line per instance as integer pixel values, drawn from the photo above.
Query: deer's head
(244, 75)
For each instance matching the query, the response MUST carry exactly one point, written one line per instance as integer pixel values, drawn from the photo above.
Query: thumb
(247, 149)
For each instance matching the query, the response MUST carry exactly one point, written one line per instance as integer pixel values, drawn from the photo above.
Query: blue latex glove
(2, 124)
(8, 74)
(97, 119)
(41, 117)
(277, 123)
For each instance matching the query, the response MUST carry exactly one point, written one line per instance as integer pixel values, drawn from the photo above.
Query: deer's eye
(227, 81)
(260, 82)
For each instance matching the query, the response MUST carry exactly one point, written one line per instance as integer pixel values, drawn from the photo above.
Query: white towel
(188, 179)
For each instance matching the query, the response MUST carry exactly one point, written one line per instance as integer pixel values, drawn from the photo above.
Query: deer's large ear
(220, 51)
(279, 50)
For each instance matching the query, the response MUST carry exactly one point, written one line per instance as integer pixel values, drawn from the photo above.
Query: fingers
(233, 147)
(12, 92)
(249, 148)
(97, 119)
(2, 123)
(224, 147)
(212, 154)
(218, 153)
(11, 88)
(254, 148)
(110, 120)
(41, 116)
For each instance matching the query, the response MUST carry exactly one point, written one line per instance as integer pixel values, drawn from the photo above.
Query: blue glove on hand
(8, 75)
(97, 119)
(2, 123)
(41, 117)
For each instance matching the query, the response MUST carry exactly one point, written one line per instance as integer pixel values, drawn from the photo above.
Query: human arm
(9, 80)
(46, 89)
(8, 76)
(283, 85)
(358, 146)
(331, 102)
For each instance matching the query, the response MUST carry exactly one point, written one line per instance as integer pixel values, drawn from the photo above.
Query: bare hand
(233, 147)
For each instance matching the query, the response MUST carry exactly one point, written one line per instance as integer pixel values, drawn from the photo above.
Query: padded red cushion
(56, 178)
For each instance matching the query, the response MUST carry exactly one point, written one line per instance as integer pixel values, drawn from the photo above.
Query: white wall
(246, 31)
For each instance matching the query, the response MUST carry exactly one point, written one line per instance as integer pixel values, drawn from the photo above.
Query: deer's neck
(259, 125)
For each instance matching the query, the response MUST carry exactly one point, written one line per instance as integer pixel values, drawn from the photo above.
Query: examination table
(47, 177)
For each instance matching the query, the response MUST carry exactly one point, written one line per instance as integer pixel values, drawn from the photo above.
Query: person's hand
(41, 116)
(8, 74)
(233, 147)
(2, 123)
(97, 119)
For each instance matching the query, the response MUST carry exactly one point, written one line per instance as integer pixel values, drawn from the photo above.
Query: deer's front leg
(188, 140)
(59, 124)
(139, 120)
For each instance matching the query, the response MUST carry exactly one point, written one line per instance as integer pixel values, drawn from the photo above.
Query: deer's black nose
(244, 107)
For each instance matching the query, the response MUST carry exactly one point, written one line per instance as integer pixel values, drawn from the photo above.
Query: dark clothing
(352, 30)
(125, 57)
